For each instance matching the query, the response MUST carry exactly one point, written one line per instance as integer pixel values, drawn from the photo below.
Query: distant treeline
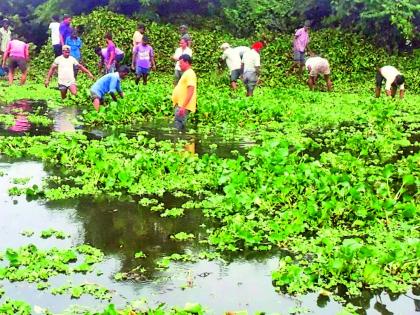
(392, 24)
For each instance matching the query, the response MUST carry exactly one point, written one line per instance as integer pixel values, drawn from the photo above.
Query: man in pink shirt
(18, 54)
(300, 44)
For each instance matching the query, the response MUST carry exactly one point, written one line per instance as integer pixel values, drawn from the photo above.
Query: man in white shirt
(138, 35)
(5, 36)
(54, 28)
(233, 61)
(65, 65)
(241, 50)
(316, 66)
(183, 49)
(251, 67)
(393, 78)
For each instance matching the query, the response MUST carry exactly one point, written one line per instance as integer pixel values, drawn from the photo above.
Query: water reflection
(20, 111)
(64, 119)
(124, 228)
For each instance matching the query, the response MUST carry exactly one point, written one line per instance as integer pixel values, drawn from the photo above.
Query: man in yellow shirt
(184, 95)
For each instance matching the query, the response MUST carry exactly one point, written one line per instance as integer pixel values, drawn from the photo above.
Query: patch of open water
(120, 229)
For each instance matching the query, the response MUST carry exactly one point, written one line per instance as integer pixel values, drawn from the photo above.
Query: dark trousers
(57, 50)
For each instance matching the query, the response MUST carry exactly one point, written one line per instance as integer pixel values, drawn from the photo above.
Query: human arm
(26, 52)
(115, 87)
(85, 70)
(190, 93)
(50, 73)
(101, 62)
(111, 56)
(152, 60)
(183, 107)
(401, 93)
(62, 39)
(176, 55)
(257, 64)
(133, 59)
(6, 55)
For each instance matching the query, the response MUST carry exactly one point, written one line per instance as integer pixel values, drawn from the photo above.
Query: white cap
(224, 46)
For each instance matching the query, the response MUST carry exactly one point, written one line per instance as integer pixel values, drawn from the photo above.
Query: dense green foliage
(389, 22)
(353, 60)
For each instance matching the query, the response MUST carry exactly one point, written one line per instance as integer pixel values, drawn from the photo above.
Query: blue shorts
(141, 70)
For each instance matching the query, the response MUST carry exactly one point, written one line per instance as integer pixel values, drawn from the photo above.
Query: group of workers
(243, 63)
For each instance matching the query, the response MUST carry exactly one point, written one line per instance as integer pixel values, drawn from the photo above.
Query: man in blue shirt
(75, 44)
(109, 83)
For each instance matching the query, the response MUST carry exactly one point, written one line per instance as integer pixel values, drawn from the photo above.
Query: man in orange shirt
(184, 95)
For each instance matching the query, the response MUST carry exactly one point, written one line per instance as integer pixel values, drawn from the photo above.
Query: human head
(307, 24)
(66, 51)
(224, 46)
(183, 43)
(185, 62)
(257, 46)
(6, 23)
(67, 19)
(145, 40)
(399, 79)
(74, 33)
(98, 50)
(141, 28)
(55, 18)
(108, 36)
(183, 29)
(123, 71)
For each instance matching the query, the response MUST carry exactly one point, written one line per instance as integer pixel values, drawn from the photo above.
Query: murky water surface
(240, 282)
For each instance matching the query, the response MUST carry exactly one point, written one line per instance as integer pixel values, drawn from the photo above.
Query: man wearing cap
(17, 52)
(65, 65)
(251, 67)
(109, 83)
(5, 36)
(300, 44)
(183, 30)
(393, 78)
(65, 29)
(184, 95)
(316, 66)
(234, 63)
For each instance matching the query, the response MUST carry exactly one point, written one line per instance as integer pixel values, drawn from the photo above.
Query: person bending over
(393, 79)
(316, 66)
(109, 83)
